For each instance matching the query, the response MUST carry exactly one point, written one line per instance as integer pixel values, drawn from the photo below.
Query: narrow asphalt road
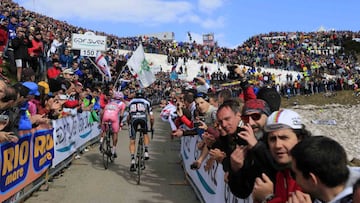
(86, 180)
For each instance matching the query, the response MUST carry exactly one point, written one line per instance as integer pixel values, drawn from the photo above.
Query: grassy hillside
(341, 97)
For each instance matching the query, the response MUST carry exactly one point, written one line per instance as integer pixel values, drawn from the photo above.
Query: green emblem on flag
(144, 66)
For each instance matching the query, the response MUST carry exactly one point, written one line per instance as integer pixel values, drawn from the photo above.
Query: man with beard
(250, 157)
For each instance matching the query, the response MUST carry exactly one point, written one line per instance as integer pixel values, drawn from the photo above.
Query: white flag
(140, 68)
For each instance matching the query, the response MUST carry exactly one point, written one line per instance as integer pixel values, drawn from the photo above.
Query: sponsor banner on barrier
(26, 160)
(210, 184)
(72, 132)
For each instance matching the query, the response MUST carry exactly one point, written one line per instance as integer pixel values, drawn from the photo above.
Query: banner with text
(210, 184)
(72, 132)
(26, 160)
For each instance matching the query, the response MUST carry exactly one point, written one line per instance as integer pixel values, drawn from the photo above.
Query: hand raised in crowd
(237, 157)
(248, 135)
(178, 133)
(217, 154)
(3, 124)
(8, 137)
(209, 164)
(39, 119)
(208, 138)
(200, 145)
(263, 188)
(299, 197)
(226, 177)
(179, 111)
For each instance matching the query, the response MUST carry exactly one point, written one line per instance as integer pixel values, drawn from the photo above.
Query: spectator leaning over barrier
(319, 166)
(185, 111)
(223, 145)
(250, 158)
(72, 103)
(7, 98)
(203, 123)
(34, 92)
(204, 119)
(284, 130)
(31, 111)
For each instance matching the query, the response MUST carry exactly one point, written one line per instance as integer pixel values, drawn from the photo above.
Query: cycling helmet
(118, 95)
(139, 94)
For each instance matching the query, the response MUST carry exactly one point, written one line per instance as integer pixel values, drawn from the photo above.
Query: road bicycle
(140, 153)
(106, 145)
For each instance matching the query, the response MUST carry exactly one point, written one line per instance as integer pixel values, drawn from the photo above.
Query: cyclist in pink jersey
(113, 112)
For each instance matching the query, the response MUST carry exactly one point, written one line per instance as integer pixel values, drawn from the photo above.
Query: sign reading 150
(89, 53)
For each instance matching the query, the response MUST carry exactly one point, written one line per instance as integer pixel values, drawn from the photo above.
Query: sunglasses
(254, 117)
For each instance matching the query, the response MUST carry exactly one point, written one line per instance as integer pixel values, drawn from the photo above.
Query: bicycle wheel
(106, 150)
(104, 154)
(139, 156)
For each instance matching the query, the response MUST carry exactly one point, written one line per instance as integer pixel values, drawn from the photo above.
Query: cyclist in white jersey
(139, 111)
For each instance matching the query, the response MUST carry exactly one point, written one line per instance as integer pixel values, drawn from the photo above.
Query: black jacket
(21, 46)
(258, 160)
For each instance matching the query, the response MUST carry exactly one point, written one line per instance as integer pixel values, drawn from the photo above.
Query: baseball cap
(284, 118)
(68, 71)
(45, 85)
(256, 106)
(33, 87)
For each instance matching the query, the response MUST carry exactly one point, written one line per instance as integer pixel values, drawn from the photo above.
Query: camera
(232, 75)
(197, 124)
(231, 68)
(238, 140)
(193, 166)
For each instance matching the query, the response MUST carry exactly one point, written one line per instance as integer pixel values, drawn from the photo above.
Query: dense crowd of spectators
(37, 50)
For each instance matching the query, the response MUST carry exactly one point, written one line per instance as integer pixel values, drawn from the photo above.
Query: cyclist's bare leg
(146, 144)
(132, 146)
(115, 139)
(146, 139)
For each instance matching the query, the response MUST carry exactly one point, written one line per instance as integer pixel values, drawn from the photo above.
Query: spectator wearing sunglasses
(319, 166)
(284, 129)
(251, 157)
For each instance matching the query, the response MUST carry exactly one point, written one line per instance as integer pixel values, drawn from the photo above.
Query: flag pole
(117, 79)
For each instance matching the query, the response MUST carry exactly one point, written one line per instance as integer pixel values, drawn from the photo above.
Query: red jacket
(3, 39)
(247, 94)
(284, 186)
(53, 72)
(36, 49)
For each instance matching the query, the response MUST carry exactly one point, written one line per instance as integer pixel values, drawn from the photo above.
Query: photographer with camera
(236, 73)
(202, 125)
(247, 156)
